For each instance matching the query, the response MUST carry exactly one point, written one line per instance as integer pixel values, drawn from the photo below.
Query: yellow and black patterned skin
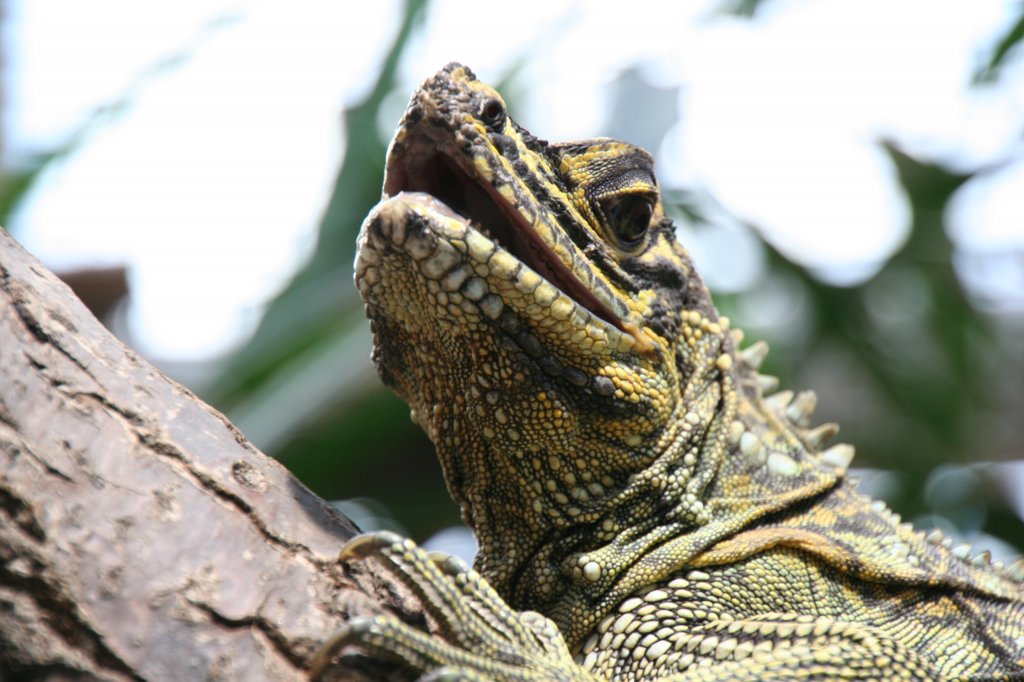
(613, 449)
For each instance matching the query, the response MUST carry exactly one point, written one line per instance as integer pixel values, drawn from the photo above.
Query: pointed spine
(800, 410)
(779, 401)
(767, 383)
(839, 456)
(820, 435)
(753, 355)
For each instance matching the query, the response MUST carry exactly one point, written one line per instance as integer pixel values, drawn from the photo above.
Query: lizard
(646, 508)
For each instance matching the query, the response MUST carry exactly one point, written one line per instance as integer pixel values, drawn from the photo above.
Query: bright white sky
(211, 184)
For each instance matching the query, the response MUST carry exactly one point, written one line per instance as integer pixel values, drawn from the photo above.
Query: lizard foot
(480, 637)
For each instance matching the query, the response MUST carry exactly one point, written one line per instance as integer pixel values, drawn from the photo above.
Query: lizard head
(531, 303)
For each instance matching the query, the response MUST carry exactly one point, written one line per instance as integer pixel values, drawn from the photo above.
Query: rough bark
(141, 535)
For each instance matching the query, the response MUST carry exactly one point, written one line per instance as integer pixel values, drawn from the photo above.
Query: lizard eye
(629, 217)
(493, 114)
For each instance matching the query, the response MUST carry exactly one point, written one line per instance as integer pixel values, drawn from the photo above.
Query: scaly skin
(611, 447)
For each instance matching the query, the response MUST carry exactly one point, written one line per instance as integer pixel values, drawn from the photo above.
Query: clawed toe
(480, 638)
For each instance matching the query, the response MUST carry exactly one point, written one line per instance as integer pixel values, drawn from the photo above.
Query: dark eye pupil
(493, 113)
(629, 218)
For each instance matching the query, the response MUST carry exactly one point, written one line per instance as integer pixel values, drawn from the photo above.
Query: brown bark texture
(141, 535)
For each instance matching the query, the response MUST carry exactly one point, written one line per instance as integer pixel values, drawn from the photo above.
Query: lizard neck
(580, 495)
(573, 550)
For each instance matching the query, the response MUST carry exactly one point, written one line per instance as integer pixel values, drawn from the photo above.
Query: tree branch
(141, 535)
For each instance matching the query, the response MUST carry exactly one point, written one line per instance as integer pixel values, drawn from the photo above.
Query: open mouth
(486, 210)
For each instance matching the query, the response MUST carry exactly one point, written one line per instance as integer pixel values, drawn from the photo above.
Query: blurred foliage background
(925, 377)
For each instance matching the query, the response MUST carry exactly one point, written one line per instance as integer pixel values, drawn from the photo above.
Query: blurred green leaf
(743, 8)
(1001, 53)
(15, 184)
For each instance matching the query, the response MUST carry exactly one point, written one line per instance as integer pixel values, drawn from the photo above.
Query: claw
(450, 565)
(367, 544)
(351, 633)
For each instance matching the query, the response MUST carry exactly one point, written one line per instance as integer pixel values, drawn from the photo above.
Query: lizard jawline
(486, 211)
